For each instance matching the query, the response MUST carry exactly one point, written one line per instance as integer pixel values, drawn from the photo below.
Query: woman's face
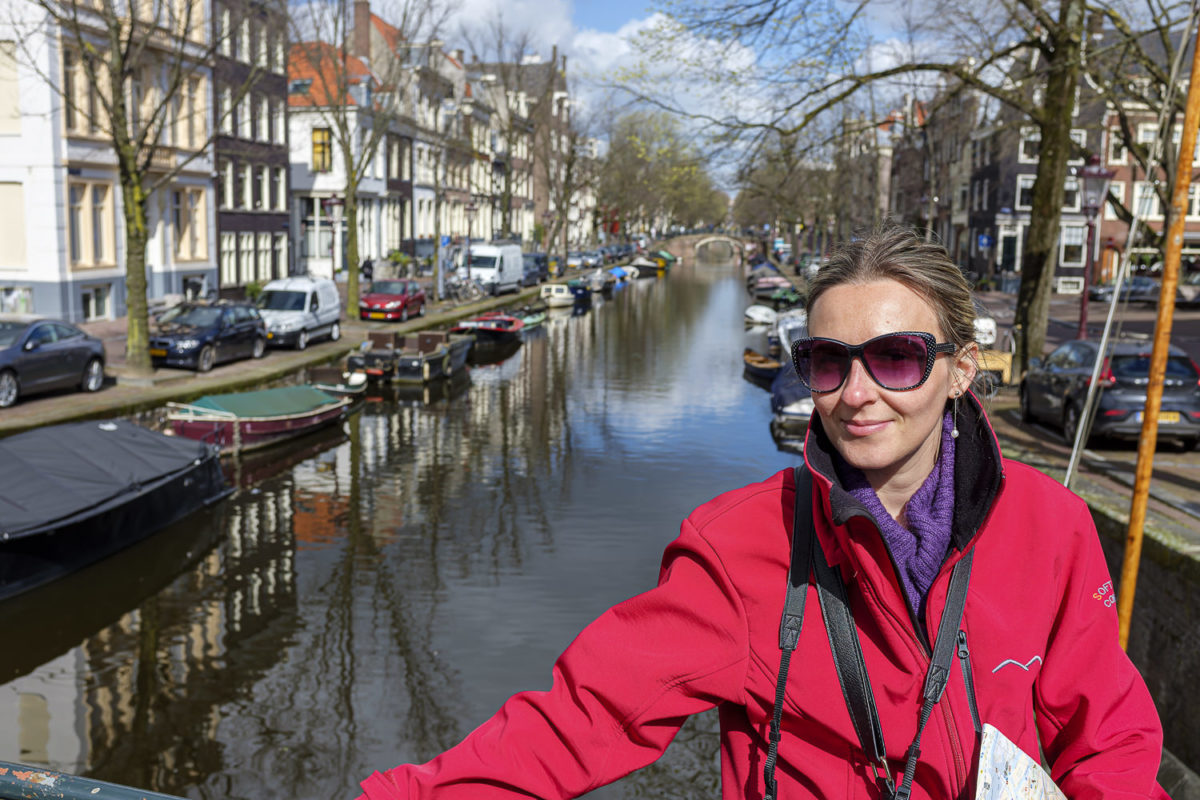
(893, 437)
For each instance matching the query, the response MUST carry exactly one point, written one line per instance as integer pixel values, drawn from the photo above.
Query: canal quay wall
(1164, 638)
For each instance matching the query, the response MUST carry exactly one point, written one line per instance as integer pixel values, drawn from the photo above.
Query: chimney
(362, 29)
(458, 56)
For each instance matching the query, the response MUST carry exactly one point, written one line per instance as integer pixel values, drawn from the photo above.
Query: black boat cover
(53, 475)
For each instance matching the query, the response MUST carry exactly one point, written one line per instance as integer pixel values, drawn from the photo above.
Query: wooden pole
(1158, 357)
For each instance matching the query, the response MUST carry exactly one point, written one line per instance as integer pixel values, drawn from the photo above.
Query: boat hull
(30, 561)
(254, 432)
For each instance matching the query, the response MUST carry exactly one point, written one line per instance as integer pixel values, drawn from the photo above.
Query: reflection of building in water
(153, 681)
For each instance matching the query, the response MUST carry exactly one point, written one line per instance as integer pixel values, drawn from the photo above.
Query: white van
(297, 310)
(498, 267)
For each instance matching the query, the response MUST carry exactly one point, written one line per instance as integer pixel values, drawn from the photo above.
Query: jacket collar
(978, 472)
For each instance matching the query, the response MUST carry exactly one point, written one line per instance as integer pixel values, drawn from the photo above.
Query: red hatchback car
(392, 299)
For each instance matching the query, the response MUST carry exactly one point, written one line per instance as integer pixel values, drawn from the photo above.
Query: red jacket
(1041, 629)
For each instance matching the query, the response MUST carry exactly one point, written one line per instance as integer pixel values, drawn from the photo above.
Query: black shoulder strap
(808, 556)
(793, 610)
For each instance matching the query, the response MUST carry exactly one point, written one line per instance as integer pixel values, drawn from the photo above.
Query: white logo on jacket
(1024, 666)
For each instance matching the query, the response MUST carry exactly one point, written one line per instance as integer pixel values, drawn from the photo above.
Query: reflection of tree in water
(690, 768)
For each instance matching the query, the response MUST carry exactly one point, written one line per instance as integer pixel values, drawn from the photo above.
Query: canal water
(371, 594)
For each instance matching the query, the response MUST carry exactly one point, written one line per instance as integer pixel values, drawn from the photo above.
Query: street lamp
(333, 209)
(470, 208)
(1095, 179)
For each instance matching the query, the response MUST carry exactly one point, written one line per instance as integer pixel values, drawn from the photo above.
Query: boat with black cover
(79, 492)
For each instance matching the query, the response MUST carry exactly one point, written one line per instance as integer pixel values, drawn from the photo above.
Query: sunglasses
(896, 361)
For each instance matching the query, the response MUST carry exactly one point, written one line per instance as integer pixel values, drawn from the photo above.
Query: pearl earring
(954, 416)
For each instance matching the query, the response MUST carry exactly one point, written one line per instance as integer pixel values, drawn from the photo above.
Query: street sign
(445, 241)
(986, 241)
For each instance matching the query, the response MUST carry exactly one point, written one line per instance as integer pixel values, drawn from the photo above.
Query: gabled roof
(320, 63)
(390, 33)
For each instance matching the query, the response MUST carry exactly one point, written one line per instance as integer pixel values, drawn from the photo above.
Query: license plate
(1164, 417)
(154, 351)
(377, 315)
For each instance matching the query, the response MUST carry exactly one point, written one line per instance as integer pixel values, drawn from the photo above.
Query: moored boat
(645, 267)
(759, 366)
(241, 421)
(79, 492)
(760, 315)
(557, 295)
(491, 327)
(533, 315)
(792, 407)
(338, 380)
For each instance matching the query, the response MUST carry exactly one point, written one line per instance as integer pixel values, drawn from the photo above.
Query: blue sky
(608, 16)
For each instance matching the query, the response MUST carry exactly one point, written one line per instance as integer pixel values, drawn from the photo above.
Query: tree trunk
(137, 343)
(350, 234)
(1041, 244)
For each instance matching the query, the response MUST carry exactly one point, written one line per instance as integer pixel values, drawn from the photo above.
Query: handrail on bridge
(24, 782)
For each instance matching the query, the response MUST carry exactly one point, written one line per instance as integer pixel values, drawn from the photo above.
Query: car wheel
(1070, 423)
(93, 376)
(260, 347)
(204, 362)
(404, 314)
(335, 332)
(1023, 402)
(9, 388)
(302, 340)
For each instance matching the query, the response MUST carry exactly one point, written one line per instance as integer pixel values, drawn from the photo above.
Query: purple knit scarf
(920, 549)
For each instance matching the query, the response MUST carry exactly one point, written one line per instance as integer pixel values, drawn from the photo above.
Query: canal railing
(23, 782)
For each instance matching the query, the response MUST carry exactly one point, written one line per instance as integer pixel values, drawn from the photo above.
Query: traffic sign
(986, 241)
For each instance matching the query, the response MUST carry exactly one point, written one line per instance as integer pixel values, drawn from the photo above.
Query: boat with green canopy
(241, 421)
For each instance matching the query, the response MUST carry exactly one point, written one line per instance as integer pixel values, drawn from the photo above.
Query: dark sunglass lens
(897, 362)
(828, 364)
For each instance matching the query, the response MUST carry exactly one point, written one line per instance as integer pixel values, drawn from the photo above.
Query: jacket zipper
(964, 658)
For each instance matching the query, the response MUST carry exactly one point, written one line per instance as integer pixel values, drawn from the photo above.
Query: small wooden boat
(412, 357)
(493, 326)
(338, 381)
(760, 366)
(645, 267)
(760, 315)
(241, 421)
(533, 315)
(79, 492)
(557, 295)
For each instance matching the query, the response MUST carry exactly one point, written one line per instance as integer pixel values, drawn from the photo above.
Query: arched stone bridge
(686, 246)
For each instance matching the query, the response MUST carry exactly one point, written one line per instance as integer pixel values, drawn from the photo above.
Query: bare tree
(364, 76)
(787, 65)
(137, 75)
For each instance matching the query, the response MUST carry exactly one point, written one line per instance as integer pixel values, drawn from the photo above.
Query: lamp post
(1095, 179)
(333, 209)
(470, 208)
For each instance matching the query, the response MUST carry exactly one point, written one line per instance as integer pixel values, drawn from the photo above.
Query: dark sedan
(1138, 289)
(200, 336)
(1055, 389)
(39, 355)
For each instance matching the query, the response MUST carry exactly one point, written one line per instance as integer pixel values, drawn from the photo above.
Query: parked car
(200, 336)
(540, 263)
(296, 310)
(592, 258)
(39, 355)
(1188, 293)
(574, 259)
(1054, 390)
(392, 299)
(1137, 289)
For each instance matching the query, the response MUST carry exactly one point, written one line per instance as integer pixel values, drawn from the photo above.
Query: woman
(906, 478)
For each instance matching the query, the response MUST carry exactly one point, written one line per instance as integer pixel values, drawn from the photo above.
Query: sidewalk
(126, 393)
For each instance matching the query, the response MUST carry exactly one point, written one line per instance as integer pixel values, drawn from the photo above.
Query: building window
(281, 255)
(1031, 142)
(261, 48)
(264, 257)
(1073, 239)
(187, 216)
(225, 184)
(1146, 203)
(243, 46)
(243, 118)
(280, 136)
(95, 302)
(224, 32)
(229, 259)
(1071, 194)
(322, 149)
(279, 189)
(1193, 202)
(260, 187)
(1079, 137)
(1116, 190)
(225, 111)
(16, 300)
(1117, 154)
(90, 235)
(1025, 192)
(247, 198)
(245, 258)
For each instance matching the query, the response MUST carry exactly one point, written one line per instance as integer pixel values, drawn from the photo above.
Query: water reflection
(371, 594)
